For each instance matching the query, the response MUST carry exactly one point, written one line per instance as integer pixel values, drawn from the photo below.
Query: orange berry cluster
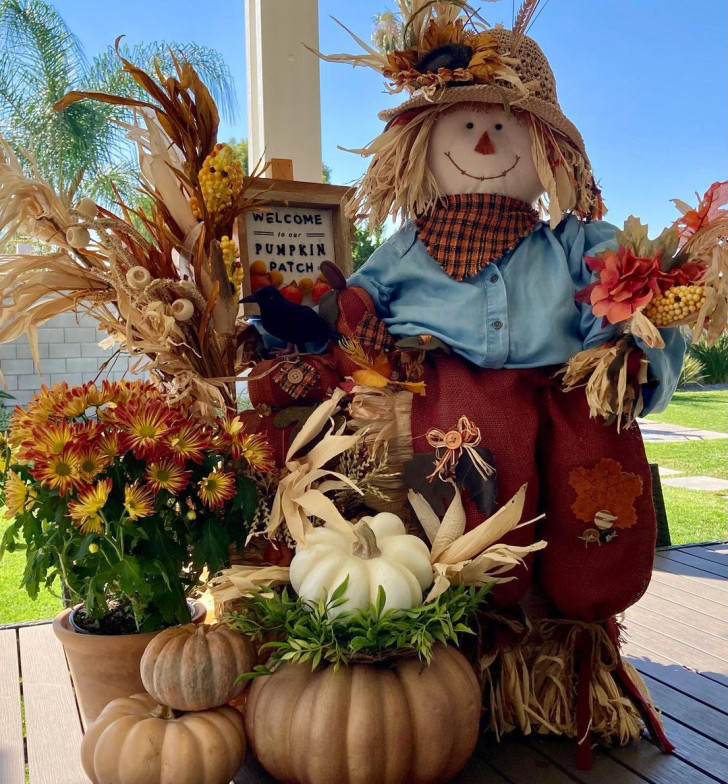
(221, 180)
(676, 304)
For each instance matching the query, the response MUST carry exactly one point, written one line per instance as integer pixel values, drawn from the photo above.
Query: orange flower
(90, 502)
(17, 495)
(53, 438)
(605, 488)
(188, 443)
(216, 488)
(706, 212)
(138, 501)
(59, 472)
(626, 283)
(145, 427)
(92, 461)
(167, 475)
(256, 450)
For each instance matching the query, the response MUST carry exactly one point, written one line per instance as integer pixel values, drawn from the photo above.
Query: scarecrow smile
(474, 177)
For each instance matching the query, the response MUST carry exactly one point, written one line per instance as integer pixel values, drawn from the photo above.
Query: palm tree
(80, 151)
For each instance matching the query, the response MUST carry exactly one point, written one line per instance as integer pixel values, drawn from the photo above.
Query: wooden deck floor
(678, 640)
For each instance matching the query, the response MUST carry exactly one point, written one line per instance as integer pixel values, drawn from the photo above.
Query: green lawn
(695, 515)
(704, 410)
(15, 604)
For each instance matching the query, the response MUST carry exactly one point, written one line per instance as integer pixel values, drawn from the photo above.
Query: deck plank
(703, 719)
(691, 586)
(680, 598)
(681, 632)
(648, 761)
(691, 617)
(662, 668)
(520, 762)
(12, 755)
(53, 726)
(710, 554)
(704, 564)
(683, 564)
(687, 655)
(605, 770)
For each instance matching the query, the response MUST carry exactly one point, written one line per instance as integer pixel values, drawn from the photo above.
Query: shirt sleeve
(582, 240)
(664, 370)
(372, 277)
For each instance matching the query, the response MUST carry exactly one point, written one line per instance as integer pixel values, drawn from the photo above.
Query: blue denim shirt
(518, 312)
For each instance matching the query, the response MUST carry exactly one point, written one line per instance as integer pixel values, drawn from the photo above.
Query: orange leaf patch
(605, 487)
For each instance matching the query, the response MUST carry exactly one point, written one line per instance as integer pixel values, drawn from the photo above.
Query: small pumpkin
(196, 667)
(137, 741)
(410, 723)
(383, 554)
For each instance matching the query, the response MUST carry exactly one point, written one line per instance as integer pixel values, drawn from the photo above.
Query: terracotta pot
(106, 666)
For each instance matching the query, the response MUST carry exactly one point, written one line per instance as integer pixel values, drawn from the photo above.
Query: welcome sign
(291, 240)
(301, 226)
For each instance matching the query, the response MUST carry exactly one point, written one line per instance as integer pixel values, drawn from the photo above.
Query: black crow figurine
(296, 324)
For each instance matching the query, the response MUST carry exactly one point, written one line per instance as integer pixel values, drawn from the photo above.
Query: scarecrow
(468, 338)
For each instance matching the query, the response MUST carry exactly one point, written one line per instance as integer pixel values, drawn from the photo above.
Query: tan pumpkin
(137, 741)
(402, 724)
(196, 667)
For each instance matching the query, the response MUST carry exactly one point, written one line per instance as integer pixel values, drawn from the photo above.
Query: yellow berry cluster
(221, 179)
(230, 255)
(676, 304)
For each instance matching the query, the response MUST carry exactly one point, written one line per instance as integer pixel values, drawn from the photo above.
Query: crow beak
(249, 298)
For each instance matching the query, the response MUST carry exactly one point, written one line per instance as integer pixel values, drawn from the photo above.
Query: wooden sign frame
(290, 193)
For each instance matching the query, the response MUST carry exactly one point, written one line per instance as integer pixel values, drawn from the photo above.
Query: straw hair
(399, 183)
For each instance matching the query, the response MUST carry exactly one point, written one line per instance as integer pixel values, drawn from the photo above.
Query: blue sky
(644, 81)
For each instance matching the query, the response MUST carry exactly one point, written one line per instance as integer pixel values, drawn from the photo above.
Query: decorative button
(497, 324)
(493, 278)
(453, 440)
(295, 376)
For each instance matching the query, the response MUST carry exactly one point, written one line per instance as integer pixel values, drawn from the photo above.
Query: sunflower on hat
(445, 43)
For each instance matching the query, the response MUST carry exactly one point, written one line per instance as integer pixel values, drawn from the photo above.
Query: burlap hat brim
(486, 93)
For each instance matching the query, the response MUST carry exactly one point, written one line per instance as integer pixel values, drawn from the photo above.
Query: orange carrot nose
(485, 145)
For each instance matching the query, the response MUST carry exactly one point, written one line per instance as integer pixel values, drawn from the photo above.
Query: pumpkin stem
(365, 546)
(162, 712)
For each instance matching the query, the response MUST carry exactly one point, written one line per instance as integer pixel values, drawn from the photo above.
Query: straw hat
(530, 65)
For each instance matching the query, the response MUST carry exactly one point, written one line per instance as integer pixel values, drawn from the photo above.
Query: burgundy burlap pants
(592, 483)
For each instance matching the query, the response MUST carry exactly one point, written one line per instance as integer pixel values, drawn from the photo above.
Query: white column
(284, 104)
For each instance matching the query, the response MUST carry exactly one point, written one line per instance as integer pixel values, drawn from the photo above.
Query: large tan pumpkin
(403, 724)
(137, 741)
(196, 667)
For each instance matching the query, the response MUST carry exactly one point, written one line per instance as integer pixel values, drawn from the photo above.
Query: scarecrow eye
(469, 125)
(499, 126)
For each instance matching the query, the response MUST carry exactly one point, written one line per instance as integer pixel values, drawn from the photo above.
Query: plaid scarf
(473, 229)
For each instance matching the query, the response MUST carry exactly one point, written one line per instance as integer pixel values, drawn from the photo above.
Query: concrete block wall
(69, 351)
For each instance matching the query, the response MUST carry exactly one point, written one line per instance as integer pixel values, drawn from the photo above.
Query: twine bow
(449, 449)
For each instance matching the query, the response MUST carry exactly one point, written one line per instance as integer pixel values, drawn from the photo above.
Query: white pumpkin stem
(162, 712)
(365, 546)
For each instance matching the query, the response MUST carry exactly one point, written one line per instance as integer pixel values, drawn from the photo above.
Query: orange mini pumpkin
(196, 667)
(137, 741)
(408, 723)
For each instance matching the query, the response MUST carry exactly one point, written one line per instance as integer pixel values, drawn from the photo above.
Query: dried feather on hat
(444, 43)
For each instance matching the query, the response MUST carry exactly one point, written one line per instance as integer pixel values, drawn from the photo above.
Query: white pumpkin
(383, 553)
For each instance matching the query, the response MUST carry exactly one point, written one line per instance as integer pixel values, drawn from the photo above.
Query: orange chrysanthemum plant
(679, 279)
(125, 498)
(162, 280)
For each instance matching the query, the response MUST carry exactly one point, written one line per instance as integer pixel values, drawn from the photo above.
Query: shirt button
(493, 278)
(497, 324)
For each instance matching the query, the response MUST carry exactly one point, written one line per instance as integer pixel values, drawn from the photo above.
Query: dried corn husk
(476, 557)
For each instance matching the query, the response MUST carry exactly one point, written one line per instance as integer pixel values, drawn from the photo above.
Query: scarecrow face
(472, 150)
